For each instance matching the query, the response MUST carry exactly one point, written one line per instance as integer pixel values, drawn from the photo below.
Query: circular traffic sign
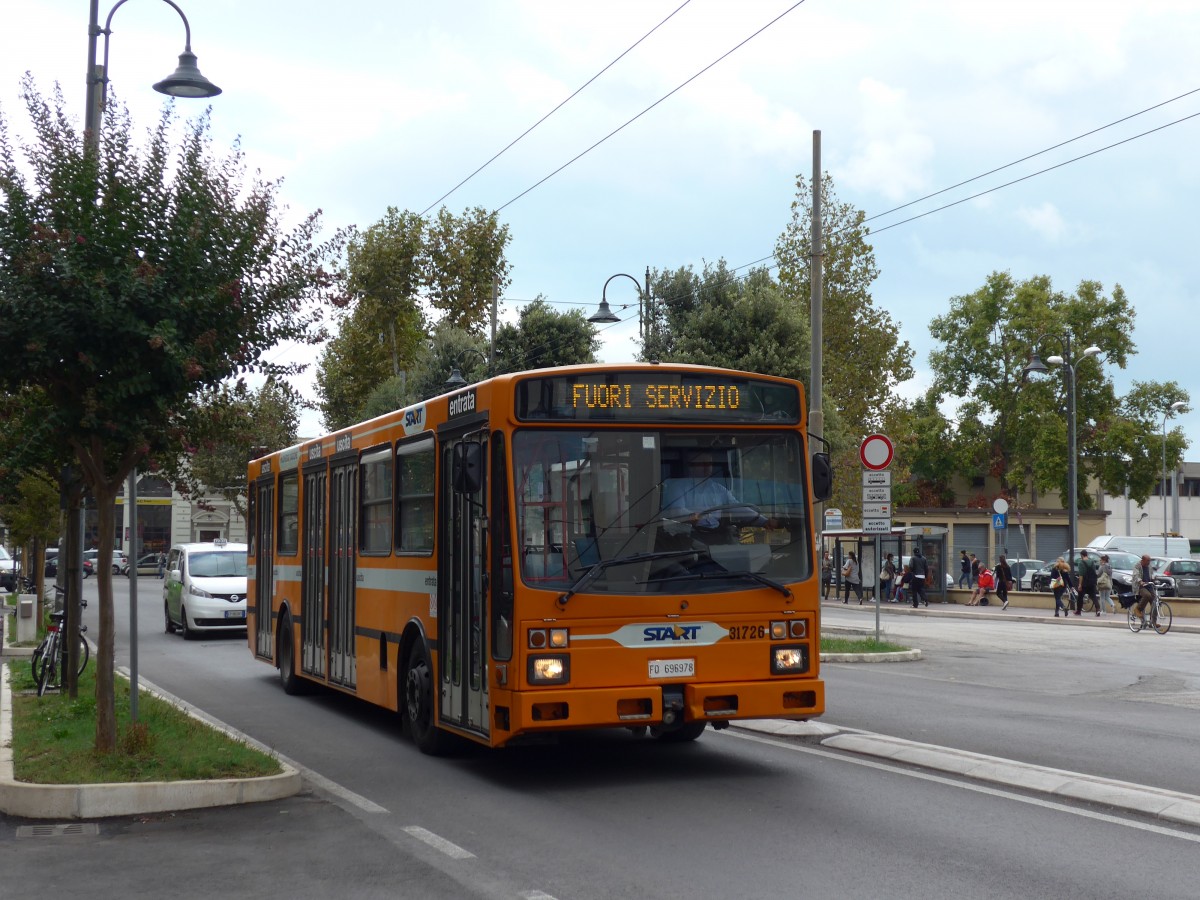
(876, 451)
(1000, 505)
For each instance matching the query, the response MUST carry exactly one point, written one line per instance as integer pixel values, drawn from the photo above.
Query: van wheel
(167, 617)
(189, 634)
(418, 702)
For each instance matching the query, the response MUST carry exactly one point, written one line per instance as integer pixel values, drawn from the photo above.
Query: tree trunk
(106, 712)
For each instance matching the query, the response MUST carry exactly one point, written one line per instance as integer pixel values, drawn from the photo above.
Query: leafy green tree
(402, 268)
(1015, 428)
(714, 318)
(466, 264)
(543, 337)
(233, 425)
(863, 359)
(133, 280)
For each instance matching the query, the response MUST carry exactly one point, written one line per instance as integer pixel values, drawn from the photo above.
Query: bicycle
(1160, 615)
(47, 661)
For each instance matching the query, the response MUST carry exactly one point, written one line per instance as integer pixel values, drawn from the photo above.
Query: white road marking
(438, 843)
(977, 788)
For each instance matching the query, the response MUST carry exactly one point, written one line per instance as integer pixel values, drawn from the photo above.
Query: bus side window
(414, 496)
(502, 554)
(287, 541)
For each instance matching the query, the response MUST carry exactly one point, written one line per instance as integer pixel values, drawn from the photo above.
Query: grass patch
(54, 736)
(859, 645)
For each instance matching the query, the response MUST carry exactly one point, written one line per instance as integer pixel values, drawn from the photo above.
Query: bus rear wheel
(293, 684)
(418, 701)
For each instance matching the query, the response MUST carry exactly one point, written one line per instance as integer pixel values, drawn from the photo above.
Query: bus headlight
(789, 660)
(549, 669)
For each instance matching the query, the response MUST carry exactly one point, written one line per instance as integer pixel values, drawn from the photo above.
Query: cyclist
(1143, 588)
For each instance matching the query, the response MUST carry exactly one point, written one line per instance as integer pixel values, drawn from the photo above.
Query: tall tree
(1015, 428)
(864, 358)
(132, 280)
(466, 263)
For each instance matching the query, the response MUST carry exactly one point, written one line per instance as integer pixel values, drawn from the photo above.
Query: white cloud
(1045, 220)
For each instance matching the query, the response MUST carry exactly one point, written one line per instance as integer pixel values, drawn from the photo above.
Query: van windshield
(218, 564)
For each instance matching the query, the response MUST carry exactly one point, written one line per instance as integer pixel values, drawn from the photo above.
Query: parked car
(147, 564)
(205, 590)
(8, 571)
(1023, 570)
(1040, 580)
(1179, 578)
(52, 567)
(119, 562)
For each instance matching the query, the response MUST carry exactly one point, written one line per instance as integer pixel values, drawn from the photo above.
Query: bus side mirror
(467, 474)
(822, 477)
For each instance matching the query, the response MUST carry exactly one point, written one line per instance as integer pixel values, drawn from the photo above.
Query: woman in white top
(853, 578)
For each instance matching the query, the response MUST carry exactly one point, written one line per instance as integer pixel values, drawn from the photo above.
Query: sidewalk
(1016, 611)
(67, 802)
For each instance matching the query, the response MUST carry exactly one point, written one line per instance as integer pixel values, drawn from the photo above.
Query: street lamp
(185, 81)
(456, 380)
(1174, 407)
(605, 316)
(1035, 366)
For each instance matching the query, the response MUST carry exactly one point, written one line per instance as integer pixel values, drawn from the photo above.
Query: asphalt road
(737, 814)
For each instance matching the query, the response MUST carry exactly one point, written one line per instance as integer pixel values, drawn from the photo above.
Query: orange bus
(590, 546)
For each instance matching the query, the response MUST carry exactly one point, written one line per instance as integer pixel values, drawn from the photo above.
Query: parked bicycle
(1156, 616)
(49, 658)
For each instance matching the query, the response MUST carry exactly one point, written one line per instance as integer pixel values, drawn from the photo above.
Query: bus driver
(713, 510)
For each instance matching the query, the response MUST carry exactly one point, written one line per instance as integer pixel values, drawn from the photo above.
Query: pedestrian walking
(887, 577)
(1004, 581)
(919, 570)
(162, 564)
(976, 565)
(1060, 584)
(964, 565)
(1104, 583)
(1086, 570)
(852, 577)
(826, 574)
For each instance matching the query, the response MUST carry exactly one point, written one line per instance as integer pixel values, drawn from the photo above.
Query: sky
(366, 104)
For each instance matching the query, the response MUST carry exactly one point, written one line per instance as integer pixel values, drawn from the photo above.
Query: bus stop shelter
(872, 549)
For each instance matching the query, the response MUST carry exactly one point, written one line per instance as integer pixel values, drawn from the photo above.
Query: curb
(1170, 806)
(85, 801)
(897, 656)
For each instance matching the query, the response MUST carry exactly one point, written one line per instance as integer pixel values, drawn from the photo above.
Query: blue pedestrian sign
(999, 521)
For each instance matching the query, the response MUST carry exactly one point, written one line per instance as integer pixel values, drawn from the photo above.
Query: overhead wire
(574, 94)
(665, 96)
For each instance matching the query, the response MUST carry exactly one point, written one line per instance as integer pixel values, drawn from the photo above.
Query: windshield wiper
(753, 576)
(594, 571)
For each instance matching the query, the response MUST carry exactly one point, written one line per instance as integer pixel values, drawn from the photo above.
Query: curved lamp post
(605, 316)
(1173, 408)
(1035, 366)
(456, 380)
(185, 81)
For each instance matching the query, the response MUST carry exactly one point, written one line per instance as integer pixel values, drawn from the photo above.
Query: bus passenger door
(312, 573)
(343, 519)
(264, 569)
(462, 589)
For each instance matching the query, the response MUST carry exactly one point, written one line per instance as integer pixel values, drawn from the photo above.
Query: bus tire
(688, 731)
(293, 684)
(418, 702)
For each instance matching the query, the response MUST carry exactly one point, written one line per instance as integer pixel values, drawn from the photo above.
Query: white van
(1176, 547)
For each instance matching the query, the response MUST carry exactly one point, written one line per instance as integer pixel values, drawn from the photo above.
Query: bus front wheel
(418, 701)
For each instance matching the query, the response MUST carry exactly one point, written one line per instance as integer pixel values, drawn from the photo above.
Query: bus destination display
(656, 397)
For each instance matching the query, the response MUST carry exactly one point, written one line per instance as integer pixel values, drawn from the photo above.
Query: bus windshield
(660, 511)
